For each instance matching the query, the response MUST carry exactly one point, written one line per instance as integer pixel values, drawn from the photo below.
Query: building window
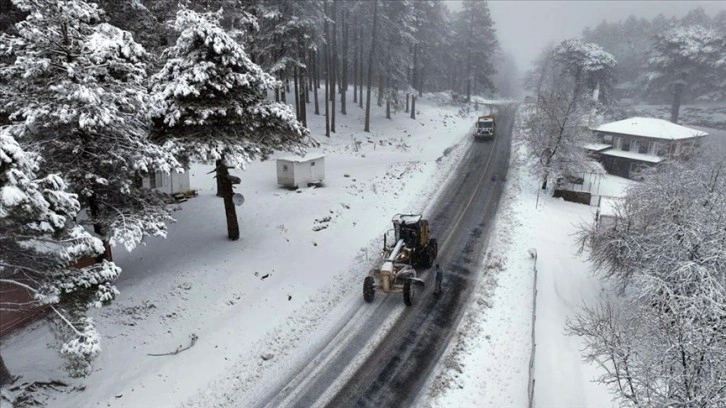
(312, 164)
(617, 143)
(626, 145)
(634, 145)
(643, 147)
(284, 167)
(658, 149)
(607, 138)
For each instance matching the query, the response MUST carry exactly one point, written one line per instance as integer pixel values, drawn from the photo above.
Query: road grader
(411, 246)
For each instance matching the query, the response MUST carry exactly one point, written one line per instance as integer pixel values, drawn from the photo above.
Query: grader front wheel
(368, 291)
(408, 292)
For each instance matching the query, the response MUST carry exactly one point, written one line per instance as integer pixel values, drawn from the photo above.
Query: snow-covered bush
(662, 340)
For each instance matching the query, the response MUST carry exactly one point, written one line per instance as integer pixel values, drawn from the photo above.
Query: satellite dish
(238, 199)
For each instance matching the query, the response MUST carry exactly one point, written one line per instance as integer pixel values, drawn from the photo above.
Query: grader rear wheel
(368, 291)
(408, 292)
(434, 248)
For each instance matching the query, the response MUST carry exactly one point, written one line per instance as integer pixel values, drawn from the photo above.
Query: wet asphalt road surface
(393, 374)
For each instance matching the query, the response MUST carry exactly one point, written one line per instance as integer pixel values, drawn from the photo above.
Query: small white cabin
(169, 183)
(307, 170)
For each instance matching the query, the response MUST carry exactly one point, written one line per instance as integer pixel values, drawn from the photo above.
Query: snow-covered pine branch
(79, 91)
(214, 98)
(40, 244)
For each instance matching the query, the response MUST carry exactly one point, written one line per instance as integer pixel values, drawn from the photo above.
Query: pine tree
(79, 90)
(688, 58)
(214, 104)
(39, 245)
(477, 43)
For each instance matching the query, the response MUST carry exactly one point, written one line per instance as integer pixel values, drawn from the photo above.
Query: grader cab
(410, 246)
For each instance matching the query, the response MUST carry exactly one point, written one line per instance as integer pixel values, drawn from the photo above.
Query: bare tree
(556, 128)
(662, 339)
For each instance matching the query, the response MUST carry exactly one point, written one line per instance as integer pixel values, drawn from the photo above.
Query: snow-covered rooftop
(633, 156)
(307, 157)
(650, 127)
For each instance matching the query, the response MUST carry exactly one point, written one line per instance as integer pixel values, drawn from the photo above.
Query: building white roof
(307, 157)
(650, 127)
(633, 156)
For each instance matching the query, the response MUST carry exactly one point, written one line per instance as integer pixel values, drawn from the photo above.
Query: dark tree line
(667, 60)
(416, 46)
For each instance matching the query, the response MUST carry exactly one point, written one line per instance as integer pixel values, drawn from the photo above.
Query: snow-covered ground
(257, 305)
(298, 265)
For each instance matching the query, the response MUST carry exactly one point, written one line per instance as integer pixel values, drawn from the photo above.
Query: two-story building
(629, 144)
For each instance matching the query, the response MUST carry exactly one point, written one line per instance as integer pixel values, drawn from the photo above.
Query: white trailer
(295, 171)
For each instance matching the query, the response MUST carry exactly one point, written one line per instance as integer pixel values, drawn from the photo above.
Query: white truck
(485, 127)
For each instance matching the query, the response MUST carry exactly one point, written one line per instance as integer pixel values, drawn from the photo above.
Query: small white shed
(169, 183)
(295, 171)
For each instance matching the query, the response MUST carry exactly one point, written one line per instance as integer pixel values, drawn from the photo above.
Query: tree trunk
(334, 66)
(367, 126)
(414, 74)
(5, 376)
(227, 192)
(360, 69)
(408, 96)
(413, 106)
(468, 76)
(388, 93)
(380, 90)
(327, 72)
(98, 229)
(355, 67)
(344, 88)
(316, 80)
(303, 72)
(220, 188)
(309, 72)
(421, 77)
(678, 89)
(298, 108)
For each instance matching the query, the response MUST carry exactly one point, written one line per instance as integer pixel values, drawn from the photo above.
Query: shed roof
(307, 157)
(650, 127)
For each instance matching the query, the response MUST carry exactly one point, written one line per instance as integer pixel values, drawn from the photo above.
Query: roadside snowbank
(488, 362)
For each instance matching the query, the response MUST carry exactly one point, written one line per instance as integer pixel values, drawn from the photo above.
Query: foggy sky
(524, 28)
